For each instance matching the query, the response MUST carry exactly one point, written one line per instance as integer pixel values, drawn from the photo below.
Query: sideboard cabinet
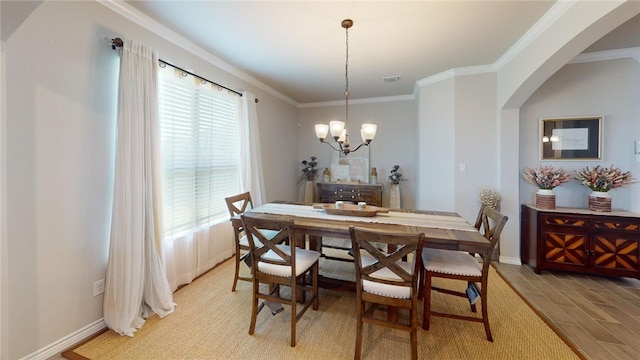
(332, 192)
(580, 240)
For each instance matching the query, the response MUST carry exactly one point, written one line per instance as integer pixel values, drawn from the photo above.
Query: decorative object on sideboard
(339, 129)
(309, 172)
(395, 177)
(374, 176)
(546, 178)
(601, 180)
(309, 169)
(326, 175)
(490, 197)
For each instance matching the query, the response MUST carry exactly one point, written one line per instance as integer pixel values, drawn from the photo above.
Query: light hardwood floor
(600, 315)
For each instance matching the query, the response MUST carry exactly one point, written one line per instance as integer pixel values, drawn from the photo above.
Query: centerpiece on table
(395, 177)
(601, 180)
(546, 178)
(309, 172)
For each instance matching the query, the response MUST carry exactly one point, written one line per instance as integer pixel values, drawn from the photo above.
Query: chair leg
(254, 308)
(413, 333)
(237, 273)
(294, 312)
(485, 313)
(426, 316)
(360, 311)
(314, 285)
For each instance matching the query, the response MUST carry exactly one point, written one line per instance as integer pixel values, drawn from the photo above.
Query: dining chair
(386, 278)
(463, 266)
(276, 264)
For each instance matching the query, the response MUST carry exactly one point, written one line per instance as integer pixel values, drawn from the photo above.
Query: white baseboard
(68, 341)
(510, 260)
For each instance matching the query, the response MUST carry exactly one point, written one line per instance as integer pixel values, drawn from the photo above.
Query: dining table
(442, 229)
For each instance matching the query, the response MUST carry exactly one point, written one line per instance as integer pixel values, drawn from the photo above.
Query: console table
(580, 240)
(353, 192)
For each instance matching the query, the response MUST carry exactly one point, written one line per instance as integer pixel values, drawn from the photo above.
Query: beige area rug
(211, 322)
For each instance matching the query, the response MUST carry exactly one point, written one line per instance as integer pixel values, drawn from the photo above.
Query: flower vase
(394, 196)
(308, 192)
(600, 201)
(545, 199)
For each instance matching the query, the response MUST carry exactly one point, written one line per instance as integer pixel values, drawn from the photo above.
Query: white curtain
(136, 282)
(251, 158)
(198, 234)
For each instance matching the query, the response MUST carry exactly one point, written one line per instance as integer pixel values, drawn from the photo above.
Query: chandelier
(338, 129)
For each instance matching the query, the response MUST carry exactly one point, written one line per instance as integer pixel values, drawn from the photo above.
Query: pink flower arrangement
(604, 179)
(546, 177)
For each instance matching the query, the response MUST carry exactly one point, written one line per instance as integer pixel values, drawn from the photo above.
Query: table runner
(392, 217)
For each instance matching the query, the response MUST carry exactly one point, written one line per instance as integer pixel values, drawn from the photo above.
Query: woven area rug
(211, 322)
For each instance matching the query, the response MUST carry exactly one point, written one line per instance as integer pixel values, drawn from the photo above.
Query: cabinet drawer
(371, 196)
(326, 194)
(617, 224)
(564, 220)
(347, 194)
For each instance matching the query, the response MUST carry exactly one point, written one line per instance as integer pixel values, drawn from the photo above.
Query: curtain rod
(117, 42)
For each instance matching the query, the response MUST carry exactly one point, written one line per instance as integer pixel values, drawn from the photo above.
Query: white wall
(458, 143)
(61, 79)
(393, 144)
(436, 146)
(4, 334)
(476, 141)
(603, 88)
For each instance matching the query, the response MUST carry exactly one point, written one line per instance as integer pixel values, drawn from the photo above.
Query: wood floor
(600, 315)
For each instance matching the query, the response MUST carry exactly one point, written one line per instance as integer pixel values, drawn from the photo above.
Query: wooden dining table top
(435, 236)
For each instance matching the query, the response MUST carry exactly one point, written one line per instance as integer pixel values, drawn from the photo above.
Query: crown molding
(633, 53)
(551, 16)
(152, 25)
(452, 73)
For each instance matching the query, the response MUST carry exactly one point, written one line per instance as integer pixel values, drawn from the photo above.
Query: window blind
(200, 127)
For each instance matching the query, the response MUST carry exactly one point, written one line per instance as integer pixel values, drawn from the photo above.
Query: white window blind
(200, 127)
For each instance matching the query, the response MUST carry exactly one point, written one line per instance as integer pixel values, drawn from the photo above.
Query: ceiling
(298, 47)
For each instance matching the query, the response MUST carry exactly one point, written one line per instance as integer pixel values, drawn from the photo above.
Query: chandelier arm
(366, 143)
(334, 148)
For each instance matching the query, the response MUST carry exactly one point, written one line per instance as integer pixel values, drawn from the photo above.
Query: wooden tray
(350, 210)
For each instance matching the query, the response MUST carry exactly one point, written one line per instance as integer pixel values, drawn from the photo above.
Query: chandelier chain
(346, 77)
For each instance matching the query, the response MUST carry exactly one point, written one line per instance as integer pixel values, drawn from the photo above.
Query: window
(200, 127)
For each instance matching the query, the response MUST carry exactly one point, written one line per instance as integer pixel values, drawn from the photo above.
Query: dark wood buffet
(352, 192)
(580, 240)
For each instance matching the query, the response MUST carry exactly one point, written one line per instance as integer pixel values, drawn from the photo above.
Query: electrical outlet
(98, 287)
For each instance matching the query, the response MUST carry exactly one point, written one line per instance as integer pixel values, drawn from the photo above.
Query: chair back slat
(260, 244)
(491, 223)
(238, 204)
(406, 245)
